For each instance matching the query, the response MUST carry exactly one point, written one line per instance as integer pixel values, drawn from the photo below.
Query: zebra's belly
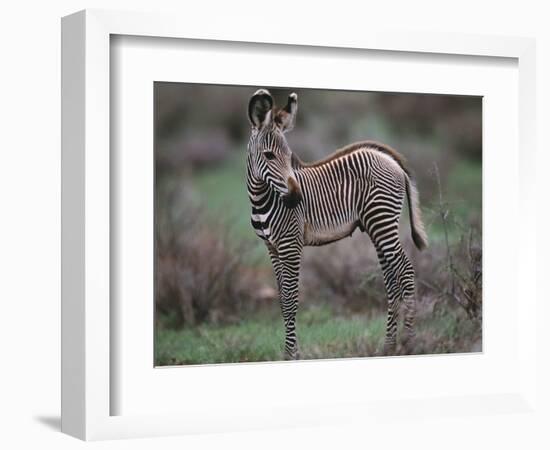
(315, 236)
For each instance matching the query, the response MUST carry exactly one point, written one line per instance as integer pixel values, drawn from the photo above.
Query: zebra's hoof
(292, 356)
(389, 349)
(409, 345)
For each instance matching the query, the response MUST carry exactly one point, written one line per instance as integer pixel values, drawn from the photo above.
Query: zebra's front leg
(276, 263)
(289, 258)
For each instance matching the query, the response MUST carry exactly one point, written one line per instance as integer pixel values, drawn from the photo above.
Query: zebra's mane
(362, 145)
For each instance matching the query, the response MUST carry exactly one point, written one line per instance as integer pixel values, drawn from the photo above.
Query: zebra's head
(270, 157)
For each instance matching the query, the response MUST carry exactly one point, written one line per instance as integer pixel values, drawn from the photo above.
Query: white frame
(86, 194)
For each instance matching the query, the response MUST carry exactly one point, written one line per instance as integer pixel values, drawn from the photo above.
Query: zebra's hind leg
(406, 277)
(410, 313)
(399, 281)
(401, 274)
(392, 291)
(397, 274)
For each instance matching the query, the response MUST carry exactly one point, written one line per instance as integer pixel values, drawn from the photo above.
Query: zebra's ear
(259, 108)
(286, 117)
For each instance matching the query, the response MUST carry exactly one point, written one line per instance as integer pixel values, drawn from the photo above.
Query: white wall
(30, 182)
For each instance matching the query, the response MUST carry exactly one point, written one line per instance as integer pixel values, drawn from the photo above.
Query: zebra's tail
(418, 232)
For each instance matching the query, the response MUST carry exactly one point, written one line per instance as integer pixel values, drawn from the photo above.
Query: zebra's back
(339, 191)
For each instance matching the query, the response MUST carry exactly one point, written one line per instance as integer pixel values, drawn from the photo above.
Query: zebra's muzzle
(294, 195)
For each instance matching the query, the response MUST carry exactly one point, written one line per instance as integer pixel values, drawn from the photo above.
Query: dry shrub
(460, 278)
(453, 272)
(466, 274)
(201, 273)
(345, 274)
(183, 151)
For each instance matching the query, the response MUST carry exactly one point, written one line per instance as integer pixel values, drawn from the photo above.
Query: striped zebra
(295, 204)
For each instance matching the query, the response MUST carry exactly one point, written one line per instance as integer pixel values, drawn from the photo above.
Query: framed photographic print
(315, 215)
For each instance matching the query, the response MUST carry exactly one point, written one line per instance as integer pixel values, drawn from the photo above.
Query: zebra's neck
(269, 217)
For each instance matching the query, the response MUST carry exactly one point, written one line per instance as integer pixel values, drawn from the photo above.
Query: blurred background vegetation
(215, 298)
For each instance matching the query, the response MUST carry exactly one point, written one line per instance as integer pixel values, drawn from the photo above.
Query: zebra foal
(297, 204)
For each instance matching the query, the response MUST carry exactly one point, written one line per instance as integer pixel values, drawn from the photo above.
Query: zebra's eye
(269, 155)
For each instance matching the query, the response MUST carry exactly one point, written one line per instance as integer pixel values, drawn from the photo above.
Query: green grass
(322, 334)
(464, 189)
